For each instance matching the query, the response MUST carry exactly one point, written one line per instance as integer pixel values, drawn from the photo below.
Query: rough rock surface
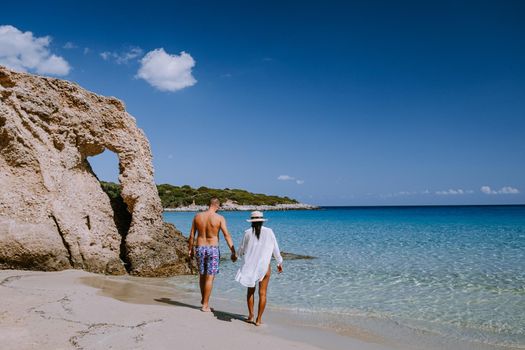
(53, 212)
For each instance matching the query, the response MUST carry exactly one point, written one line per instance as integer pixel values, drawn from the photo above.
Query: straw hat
(256, 216)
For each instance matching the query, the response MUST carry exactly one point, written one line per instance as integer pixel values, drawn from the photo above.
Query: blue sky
(348, 103)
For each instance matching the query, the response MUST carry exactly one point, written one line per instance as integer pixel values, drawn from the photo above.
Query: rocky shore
(238, 207)
(54, 214)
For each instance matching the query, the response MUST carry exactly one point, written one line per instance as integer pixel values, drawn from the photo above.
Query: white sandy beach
(74, 309)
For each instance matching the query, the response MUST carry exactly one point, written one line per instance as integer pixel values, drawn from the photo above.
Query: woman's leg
(263, 286)
(249, 299)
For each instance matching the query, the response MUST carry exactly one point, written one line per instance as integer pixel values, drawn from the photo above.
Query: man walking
(207, 225)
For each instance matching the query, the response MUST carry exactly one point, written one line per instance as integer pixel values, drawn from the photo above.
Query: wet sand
(77, 310)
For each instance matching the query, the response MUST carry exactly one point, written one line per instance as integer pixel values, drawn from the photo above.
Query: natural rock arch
(53, 212)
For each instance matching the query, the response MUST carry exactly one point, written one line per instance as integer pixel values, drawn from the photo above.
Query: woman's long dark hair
(256, 228)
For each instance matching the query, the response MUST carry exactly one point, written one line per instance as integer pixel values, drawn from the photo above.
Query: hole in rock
(106, 167)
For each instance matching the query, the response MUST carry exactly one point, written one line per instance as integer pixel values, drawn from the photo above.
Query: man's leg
(249, 299)
(208, 286)
(202, 270)
(263, 286)
(202, 281)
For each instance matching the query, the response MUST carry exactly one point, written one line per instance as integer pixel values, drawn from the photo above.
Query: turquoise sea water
(455, 271)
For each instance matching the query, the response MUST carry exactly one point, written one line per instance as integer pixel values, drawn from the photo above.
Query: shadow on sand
(220, 315)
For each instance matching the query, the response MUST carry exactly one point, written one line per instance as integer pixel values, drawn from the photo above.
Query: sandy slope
(73, 310)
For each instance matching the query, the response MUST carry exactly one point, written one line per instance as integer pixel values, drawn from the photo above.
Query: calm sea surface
(456, 271)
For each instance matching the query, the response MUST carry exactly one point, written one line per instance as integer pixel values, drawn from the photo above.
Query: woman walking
(257, 247)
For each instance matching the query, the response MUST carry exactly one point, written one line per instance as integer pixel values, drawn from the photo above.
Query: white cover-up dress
(257, 255)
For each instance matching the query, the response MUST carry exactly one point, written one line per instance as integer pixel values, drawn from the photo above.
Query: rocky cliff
(53, 212)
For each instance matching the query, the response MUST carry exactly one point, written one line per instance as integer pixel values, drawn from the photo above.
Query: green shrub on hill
(176, 196)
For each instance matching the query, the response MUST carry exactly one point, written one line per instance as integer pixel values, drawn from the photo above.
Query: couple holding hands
(257, 247)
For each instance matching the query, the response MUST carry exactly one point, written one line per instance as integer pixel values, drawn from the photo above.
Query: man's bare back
(207, 224)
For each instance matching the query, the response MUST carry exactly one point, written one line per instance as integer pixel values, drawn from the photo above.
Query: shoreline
(237, 207)
(390, 332)
(77, 309)
(82, 310)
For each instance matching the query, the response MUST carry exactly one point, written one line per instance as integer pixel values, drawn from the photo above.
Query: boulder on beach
(54, 214)
(285, 255)
(292, 256)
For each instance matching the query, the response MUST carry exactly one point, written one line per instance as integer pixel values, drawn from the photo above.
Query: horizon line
(421, 205)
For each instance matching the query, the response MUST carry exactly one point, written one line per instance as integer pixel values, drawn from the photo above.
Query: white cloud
(86, 50)
(503, 190)
(451, 192)
(290, 178)
(122, 57)
(125, 57)
(405, 193)
(106, 55)
(509, 190)
(426, 192)
(21, 51)
(487, 190)
(167, 72)
(54, 65)
(69, 45)
(396, 194)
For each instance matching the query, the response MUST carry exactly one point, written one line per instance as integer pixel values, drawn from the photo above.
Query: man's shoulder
(199, 215)
(216, 219)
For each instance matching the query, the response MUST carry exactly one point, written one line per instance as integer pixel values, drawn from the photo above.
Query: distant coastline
(238, 207)
(186, 198)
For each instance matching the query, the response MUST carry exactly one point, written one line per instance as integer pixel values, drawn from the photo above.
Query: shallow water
(454, 271)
